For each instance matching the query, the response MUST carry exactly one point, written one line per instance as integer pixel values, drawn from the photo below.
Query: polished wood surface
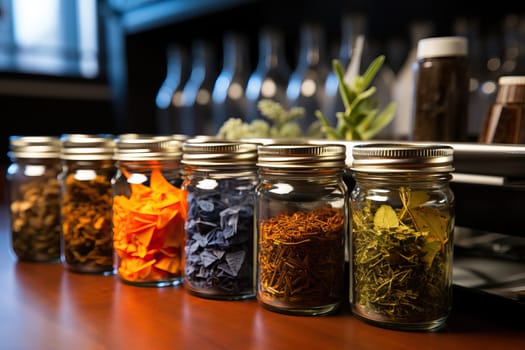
(44, 306)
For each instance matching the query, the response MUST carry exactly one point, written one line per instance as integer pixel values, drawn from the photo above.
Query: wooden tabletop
(44, 306)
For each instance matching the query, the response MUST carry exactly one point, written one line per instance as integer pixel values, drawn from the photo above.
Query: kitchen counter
(44, 306)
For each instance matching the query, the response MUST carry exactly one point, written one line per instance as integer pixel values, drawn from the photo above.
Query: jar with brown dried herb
(149, 210)
(88, 168)
(301, 222)
(220, 178)
(401, 242)
(34, 197)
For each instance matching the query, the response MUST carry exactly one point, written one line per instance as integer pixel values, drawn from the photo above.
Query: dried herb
(35, 221)
(301, 258)
(148, 231)
(400, 266)
(86, 223)
(219, 244)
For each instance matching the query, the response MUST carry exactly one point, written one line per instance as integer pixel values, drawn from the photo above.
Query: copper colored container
(505, 122)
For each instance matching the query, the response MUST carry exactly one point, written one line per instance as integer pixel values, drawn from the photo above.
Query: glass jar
(220, 178)
(270, 78)
(88, 167)
(34, 197)
(441, 93)
(301, 223)
(504, 120)
(401, 241)
(149, 210)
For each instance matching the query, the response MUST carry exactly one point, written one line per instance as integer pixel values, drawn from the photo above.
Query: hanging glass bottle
(228, 96)
(196, 115)
(270, 78)
(402, 89)
(306, 85)
(169, 97)
(352, 26)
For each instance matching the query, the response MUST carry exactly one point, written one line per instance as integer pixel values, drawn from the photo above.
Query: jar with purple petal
(220, 179)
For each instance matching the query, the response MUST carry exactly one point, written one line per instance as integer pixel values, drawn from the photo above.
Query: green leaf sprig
(278, 122)
(361, 119)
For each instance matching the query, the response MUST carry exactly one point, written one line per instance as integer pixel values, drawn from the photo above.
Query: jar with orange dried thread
(301, 223)
(149, 210)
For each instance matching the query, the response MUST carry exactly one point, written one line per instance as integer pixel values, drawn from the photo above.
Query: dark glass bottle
(352, 26)
(441, 90)
(228, 96)
(168, 101)
(270, 78)
(306, 85)
(196, 115)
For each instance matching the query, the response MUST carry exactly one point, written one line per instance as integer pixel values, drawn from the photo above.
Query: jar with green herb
(401, 239)
(34, 197)
(301, 226)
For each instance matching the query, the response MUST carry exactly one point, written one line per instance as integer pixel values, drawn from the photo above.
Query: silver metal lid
(137, 147)
(34, 147)
(219, 154)
(301, 156)
(87, 146)
(397, 158)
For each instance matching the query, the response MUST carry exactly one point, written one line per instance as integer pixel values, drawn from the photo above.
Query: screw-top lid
(302, 156)
(511, 90)
(445, 46)
(219, 154)
(87, 147)
(512, 80)
(402, 158)
(137, 147)
(34, 147)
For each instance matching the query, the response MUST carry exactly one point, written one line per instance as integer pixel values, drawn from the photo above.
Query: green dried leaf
(385, 217)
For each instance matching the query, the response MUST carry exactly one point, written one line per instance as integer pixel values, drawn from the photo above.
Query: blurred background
(114, 66)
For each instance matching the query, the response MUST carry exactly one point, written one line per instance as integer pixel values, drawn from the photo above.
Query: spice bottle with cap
(220, 179)
(149, 210)
(440, 97)
(87, 245)
(505, 120)
(34, 197)
(401, 238)
(301, 225)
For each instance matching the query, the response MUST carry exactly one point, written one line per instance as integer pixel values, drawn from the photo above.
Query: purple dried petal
(235, 261)
(205, 205)
(208, 258)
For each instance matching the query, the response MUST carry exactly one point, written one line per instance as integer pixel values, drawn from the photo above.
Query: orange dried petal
(171, 265)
